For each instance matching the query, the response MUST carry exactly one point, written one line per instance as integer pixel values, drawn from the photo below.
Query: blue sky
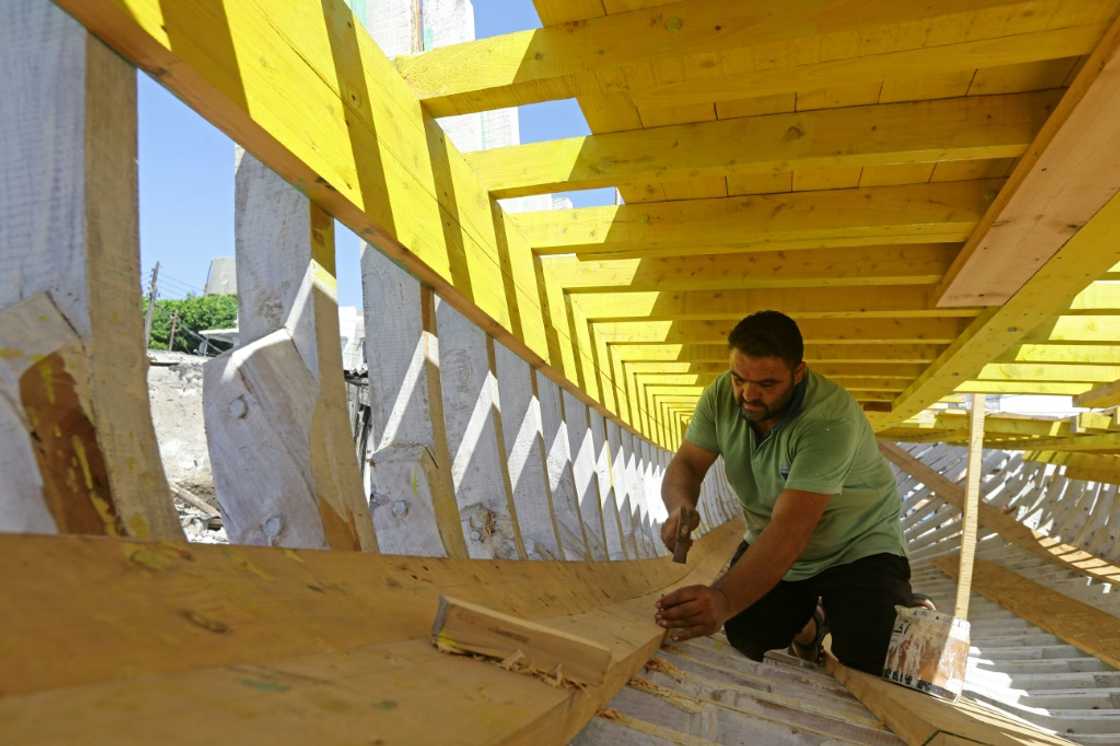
(186, 174)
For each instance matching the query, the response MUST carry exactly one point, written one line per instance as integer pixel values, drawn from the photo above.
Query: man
(820, 502)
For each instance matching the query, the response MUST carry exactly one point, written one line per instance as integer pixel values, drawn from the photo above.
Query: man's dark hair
(768, 334)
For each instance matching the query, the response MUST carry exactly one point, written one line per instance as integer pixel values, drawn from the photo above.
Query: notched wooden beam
(462, 627)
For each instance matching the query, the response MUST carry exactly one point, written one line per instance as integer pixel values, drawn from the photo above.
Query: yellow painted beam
(1107, 395)
(1021, 387)
(916, 132)
(1054, 372)
(844, 370)
(888, 302)
(860, 266)
(706, 379)
(1100, 442)
(1091, 329)
(1069, 173)
(1088, 254)
(814, 353)
(913, 213)
(701, 51)
(1003, 424)
(555, 12)
(1055, 353)
(859, 332)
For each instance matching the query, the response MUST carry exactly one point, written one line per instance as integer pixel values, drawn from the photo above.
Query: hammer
(684, 540)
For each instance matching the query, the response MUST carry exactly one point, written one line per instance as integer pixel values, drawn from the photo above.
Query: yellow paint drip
(9, 353)
(138, 527)
(245, 564)
(103, 507)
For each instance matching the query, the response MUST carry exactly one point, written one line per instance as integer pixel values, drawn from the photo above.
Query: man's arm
(697, 610)
(681, 486)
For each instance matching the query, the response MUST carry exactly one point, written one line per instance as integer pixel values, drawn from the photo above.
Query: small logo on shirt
(783, 471)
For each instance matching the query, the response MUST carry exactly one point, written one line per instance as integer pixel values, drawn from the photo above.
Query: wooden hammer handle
(684, 538)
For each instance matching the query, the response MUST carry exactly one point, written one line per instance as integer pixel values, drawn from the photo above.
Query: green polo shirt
(823, 444)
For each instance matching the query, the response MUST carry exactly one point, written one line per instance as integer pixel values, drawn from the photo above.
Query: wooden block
(462, 627)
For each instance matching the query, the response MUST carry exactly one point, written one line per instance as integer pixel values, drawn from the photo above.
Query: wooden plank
(814, 353)
(287, 635)
(815, 331)
(971, 506)
(1057, 187)
(906, 264)
(888, 301)
(1036, 542)
(915, 213)
(916, 132)
(409, 465)
(77, 447)
(701, 51)
(1107, 395)
(275, 406)
(463, 627)
(919, 719)
(1086, 627)
(555, 12)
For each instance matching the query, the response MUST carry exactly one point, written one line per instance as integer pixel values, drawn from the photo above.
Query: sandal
(812, 652)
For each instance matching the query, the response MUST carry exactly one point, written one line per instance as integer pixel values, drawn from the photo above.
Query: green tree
(195, 313)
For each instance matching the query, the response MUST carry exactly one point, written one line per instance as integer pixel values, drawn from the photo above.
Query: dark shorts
(858, 600)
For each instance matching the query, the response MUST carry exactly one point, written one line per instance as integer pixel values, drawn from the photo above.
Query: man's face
(763, 386)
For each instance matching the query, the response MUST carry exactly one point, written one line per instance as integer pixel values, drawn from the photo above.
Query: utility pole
(171, 340)
(151, 307)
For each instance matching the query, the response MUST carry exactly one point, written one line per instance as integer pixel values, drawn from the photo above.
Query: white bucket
(928, 652)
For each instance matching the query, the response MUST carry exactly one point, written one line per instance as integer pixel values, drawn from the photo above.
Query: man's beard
(764, 413)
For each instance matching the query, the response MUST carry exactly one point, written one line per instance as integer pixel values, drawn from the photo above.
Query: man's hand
(693, 611)
(669, 527)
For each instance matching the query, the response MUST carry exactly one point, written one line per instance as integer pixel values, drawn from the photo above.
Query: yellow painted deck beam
(1057, 353)
(1097, 442)
(1022, 387)
(843, 370)
(1085, 328)
(701, 51)
(1092, 251)
(918, 132)
(814, 353)
(1107, 395)
(887, 302)
(859, 332)
(913, 213)
(1055, 373)
(906, 264)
